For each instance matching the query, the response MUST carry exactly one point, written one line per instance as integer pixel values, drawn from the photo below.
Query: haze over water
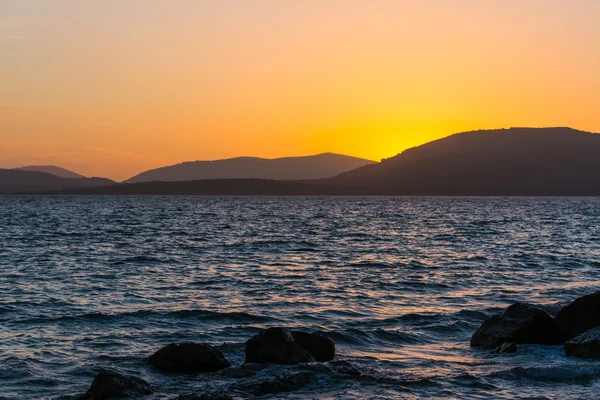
(399, 284)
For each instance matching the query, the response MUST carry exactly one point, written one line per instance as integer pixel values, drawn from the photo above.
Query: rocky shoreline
(270, 346)
(576, 327)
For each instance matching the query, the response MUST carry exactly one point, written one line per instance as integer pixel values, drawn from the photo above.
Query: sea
(398, 283)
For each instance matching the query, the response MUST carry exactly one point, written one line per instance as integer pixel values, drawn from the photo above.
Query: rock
(275, 345)
(242, 371)
(110, 385)
(318, 345)
(580, 316)
(188, 358)
(281, 346)
(506, 348)
(288, 381)
(586, 345)
(520, 323)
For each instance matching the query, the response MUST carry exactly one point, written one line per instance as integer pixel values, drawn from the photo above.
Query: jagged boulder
(110, 385)
(580, 316)
(281, 346)
(188, 358)
(586, 345)
(520, 323)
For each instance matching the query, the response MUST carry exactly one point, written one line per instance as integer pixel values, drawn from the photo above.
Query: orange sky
(115, 87)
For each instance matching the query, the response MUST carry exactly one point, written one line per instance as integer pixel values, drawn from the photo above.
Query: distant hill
(516, 161)
(52, 170)
(551, 160)
(265, 187)
(289, 168)
(18, 181)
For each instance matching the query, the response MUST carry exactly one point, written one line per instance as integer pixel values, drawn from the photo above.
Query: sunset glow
(111, 88)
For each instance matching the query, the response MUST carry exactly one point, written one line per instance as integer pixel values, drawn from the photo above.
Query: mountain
(18, 181)
(52, 170)
(289, 168)
(505, 161)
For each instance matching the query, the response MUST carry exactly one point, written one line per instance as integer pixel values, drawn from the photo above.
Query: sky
(115, 87)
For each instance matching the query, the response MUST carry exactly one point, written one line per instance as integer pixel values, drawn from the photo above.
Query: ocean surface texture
(400, 284)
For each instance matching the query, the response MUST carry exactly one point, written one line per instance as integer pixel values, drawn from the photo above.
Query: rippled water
(400, 284)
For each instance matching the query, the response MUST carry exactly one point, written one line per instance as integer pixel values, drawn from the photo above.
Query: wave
(217, 316)
(6, 309)
(476, 315)
(371, 264)
(138, 260)
(475, 258)
(355, 336)
(411, 317)
(564, 373)
(202, 315)
(426, 285)
(421, 319)
(303, 250)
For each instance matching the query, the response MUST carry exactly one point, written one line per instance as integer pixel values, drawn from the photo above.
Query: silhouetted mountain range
(516, 161)
(52, 170)
(288, 168)
(19, 181)
(493, 160)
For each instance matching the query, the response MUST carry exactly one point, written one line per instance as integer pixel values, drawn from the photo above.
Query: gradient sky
(114, 87)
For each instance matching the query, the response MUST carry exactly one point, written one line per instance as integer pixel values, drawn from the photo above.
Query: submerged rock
(110, 385)
(520, 323)
(263, 385)
(188, 358)
(242, 371)
(506, 348)
(586, 345)
(281, 346)
(580, 316)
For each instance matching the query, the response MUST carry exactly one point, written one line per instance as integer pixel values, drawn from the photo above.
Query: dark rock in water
(580, 316)
(318, 345)
(302, 356)
(110, 385)
(506, 348)
(188, 358)
(586, 345)
(345, 368)
(520, 323)
(263, 385)
(281, 346)
(275, 345)
(242, 371)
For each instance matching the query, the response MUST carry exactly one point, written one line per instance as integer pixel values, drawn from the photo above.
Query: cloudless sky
(114, 87)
